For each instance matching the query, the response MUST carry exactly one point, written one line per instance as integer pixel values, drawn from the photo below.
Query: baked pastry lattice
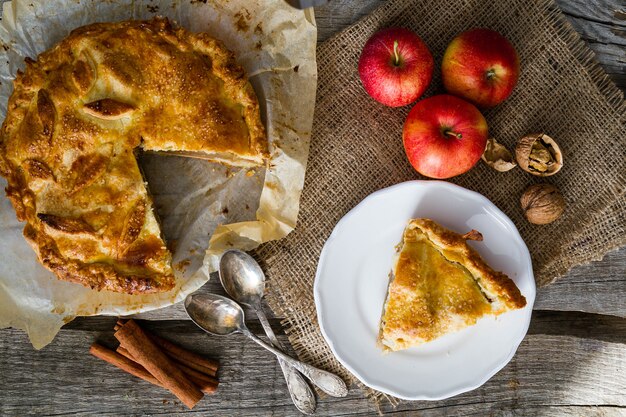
(76, 118)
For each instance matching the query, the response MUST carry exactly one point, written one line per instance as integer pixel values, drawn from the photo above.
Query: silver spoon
(221, 316)
(244, 281)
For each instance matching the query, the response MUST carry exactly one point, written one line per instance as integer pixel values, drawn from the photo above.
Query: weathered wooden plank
(603, 26)
(104, 324)
(177, 311)
(563, 374)
(600, 32)
(480, 410)
(339, 14)
(556, 323)
(613, 59)
(581, 325)
(602, 23)
(604, 11)
(599, 287)
(570, 364)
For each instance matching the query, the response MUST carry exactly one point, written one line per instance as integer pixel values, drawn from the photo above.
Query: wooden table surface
(572, 362)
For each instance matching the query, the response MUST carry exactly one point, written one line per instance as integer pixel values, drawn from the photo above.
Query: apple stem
(451, 133)
(396, 61)
(490, 74)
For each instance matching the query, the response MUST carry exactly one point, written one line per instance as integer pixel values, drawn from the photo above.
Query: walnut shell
(542, 203)
(498, 157)
(539, 155)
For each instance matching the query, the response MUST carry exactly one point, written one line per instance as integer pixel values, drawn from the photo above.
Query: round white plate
(351, 286)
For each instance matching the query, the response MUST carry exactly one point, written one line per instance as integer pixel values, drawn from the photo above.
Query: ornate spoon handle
(301, 393)
(331, 384)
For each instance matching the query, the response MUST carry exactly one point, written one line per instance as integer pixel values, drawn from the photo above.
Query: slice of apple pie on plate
(445, 320)
(439, 285)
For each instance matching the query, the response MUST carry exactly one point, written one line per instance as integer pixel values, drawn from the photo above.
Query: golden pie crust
(74, 122)
(439, 285)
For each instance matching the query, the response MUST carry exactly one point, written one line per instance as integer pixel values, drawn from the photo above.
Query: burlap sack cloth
(357, 147)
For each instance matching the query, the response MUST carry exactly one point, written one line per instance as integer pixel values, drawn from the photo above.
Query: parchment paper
(204, 208)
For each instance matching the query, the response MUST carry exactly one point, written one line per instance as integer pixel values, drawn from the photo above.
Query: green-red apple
(395, 67)
(444, 136)
(481, 66)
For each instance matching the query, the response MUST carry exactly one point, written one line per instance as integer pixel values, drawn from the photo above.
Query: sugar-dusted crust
(439, 285)
(496, 285)
(74, 121)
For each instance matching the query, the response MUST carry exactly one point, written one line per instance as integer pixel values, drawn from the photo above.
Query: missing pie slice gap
(439, 285)
(225, 158)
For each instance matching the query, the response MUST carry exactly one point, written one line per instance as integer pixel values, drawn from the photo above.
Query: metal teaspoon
(221, 316)
(244, 281)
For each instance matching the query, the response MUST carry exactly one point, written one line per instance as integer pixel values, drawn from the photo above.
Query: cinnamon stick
(119, 323)
(127, 365)
(185, 357)
(189, 359)
(147, 354)
(207, 384)
(196, 375)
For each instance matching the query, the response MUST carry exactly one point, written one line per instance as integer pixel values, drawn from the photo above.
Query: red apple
(481, 66)
(395, 67)
(444, 136)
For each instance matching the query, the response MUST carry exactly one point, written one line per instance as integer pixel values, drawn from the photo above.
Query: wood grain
(574, 375)
(599, 287)
(601, 23)
(569, 364)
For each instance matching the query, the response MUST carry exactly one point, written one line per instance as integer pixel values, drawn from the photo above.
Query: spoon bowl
(244, 281)
(215, 314)
(221, 316)
(242, 277)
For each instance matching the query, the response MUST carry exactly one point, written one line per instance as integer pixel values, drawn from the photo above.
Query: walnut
(539, 155)
(542, 203)
(498, 157)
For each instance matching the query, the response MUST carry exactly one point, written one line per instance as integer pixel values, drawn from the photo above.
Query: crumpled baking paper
(205, 208)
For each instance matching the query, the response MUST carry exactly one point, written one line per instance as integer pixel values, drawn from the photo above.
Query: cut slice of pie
(74, 122)
(439, 285)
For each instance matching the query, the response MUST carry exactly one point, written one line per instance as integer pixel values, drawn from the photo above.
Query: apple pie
(439, 285)
(78, 115)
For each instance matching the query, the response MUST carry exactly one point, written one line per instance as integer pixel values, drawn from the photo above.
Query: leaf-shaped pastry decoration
(141, 251)
(65, 224)
(46, 112)
(132, 225)
(38, 169)
(83, 75)
(108, 109)
(86, 169)
(125, 68)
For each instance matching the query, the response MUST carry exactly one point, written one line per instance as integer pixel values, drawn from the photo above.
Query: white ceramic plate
(351, 286)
